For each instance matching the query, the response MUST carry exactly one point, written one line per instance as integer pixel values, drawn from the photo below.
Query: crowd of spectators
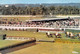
(13, 21)
(60, 23)
(54, 24)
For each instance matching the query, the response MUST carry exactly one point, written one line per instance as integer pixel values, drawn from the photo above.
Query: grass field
(39, 35)
(22, 18)
(50, 48)
(4, 43)
(61, 46)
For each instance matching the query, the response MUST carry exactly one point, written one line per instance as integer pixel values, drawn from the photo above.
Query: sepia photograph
(39, 26)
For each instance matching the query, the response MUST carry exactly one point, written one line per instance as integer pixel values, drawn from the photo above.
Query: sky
(37, 1)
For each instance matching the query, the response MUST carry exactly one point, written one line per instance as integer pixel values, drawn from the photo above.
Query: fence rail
(7, 26)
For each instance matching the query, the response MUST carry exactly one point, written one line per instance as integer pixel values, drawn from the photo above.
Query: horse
(67, 34)
(57, 36)
(49, 35)
(72, 35)
(78, 35)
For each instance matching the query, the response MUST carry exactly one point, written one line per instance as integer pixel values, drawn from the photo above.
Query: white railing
(38, 26)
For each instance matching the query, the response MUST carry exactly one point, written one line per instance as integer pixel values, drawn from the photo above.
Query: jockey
(79, 36)
(48, 33)
(71, 35)
(67, 34)
(56, 33)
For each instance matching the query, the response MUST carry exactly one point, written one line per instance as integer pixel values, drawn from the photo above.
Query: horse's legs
(73, 37)
(55, 36)
(69, 36)
(51, 35)
(59, 36)
(79, 38)
(66, 35)
(48, 36)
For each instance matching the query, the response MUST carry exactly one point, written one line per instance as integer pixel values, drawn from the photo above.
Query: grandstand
(40, 24)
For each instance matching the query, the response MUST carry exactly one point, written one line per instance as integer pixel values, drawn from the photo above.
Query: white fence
(35, 27)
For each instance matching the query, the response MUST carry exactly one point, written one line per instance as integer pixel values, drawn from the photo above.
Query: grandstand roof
(48, 19)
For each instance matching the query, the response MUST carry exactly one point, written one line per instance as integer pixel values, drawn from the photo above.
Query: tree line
(41, 10)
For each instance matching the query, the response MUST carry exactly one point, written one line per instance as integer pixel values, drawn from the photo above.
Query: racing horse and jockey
(78, 35)
(57, 35)
(49, 34)
(70, 35)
